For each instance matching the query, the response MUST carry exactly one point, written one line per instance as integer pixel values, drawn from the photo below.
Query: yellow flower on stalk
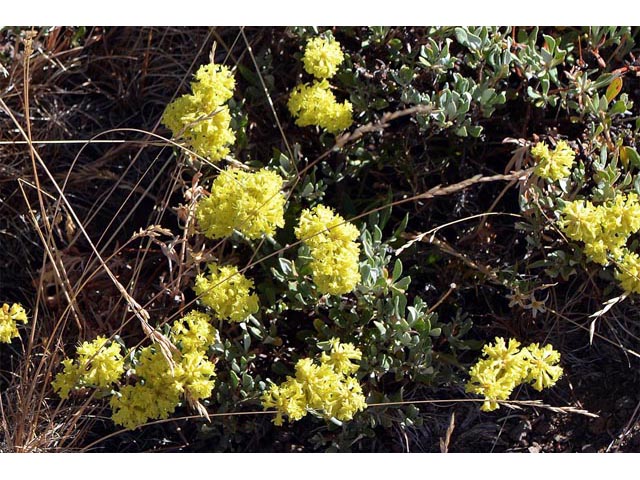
(493, 383)
(160, 388)
(340, 357)
(334, 251)
(322, 57)
(580, 220)
(201, 118)
(316, 104)
(249, 202)
(604, 229)
(543, 369)
(628, 271)
(504, 367)
(99, 364)
(327, 388)
(9, 318)
(227, 292)
(193, 332)
(553, 165)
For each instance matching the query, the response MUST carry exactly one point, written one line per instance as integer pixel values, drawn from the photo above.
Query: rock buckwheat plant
(99, 364)
(315, 104)
(322, 57)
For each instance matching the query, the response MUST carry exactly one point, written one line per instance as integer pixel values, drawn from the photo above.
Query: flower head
(9, 318)
(628, 271)
(249, 202)
(553, 165)
(193, 332)
(604, 229)
(227, 292)
(322, 56)
(316, 104)
(327, 388)
(99, 364)
(201, 118)
(543, 369)
(340, 357)
(505, 366)
(334, 251)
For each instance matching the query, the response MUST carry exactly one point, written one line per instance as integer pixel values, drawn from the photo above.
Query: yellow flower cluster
(193, 332)
(605, 228)
(99, 364)
(553, 165)
(201, 118)
(628, 271)
(334, 251)
(328, 388)
(322, 57)
(9, 316)
(250, 202)
(316, 104)
(505, 366)
(227, 292)
(160, 388)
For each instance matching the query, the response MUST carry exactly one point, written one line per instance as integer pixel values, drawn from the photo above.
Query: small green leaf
(381, 328)
(630, 155)
(397, 270)
(234, 379)
(614, 88)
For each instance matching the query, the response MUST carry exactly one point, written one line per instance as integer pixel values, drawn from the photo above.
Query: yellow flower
(97, 365)
(227, 292)
(543, 369)
(504, 367)
(193, 332)
(580, 220)
(160, 389)
(628, 272)
(201, 118)
(553, 165)
(327, 388)
(316, 104)
(491, 382)
(213, 86)
(322, 56)
(9, 317)
(132, 406)
(604, 229)
(250, 202)
(334, 251)
(340, 357)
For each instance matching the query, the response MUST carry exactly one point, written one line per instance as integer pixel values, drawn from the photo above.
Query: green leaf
(381, 328)
(285, 266)
(397, 270)
(234, 379)
(614, 88)
(630, 155)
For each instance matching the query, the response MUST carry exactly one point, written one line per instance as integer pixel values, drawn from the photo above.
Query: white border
(318, 12)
